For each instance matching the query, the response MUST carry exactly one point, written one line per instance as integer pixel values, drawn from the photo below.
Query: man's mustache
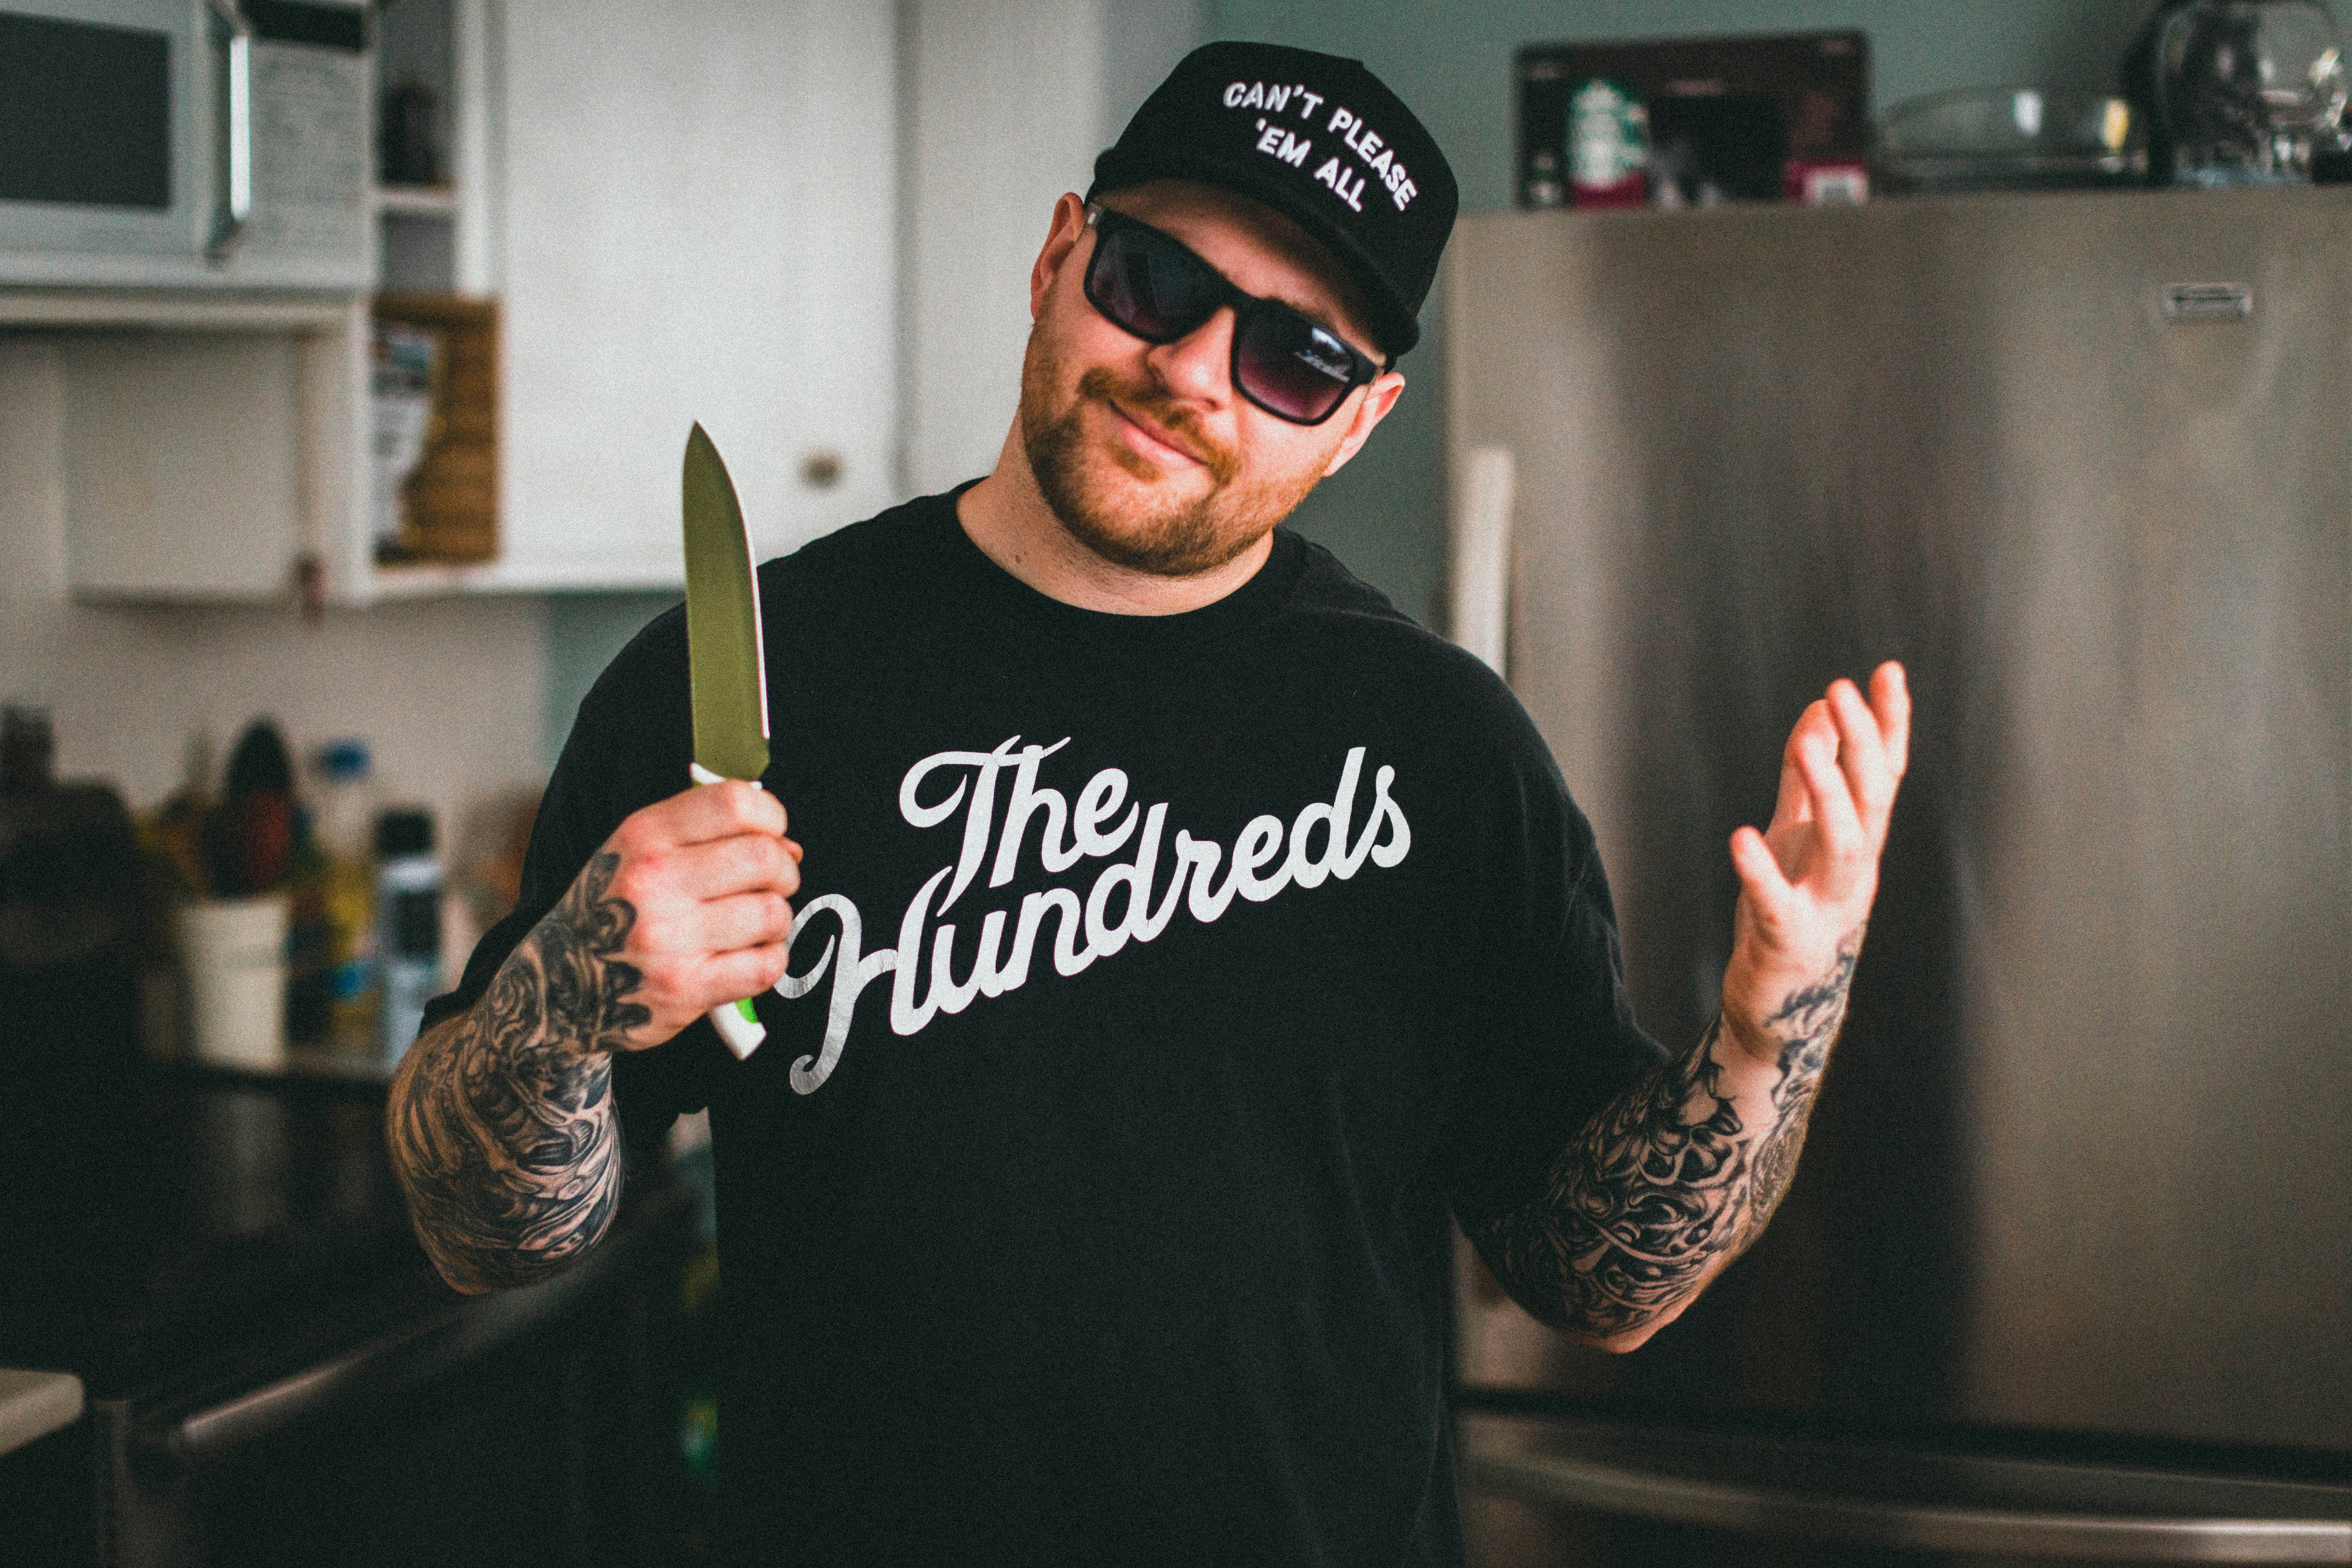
(1182, 422)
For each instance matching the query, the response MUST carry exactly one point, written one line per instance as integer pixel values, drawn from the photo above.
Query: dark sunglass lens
(1292, 367)
(1148, 286)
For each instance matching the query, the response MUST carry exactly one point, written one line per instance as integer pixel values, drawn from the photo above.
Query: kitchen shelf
(173, 311)
(449, 505)
(437, 238)
(428, 580)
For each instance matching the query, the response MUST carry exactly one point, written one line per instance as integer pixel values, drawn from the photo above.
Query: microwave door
(105, 175)
(301, 151)
(165, 143)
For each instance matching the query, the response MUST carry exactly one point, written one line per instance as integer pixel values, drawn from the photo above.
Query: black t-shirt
(1179, 972)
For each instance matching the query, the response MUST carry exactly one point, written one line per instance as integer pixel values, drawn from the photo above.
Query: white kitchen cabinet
(194, 447)
(439, 236)
(688, 212)
(698, 223)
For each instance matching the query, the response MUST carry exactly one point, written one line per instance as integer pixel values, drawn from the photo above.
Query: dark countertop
(163, 1224)
(275, 1373)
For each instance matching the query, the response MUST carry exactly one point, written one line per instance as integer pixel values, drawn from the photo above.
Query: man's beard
(1165, 537)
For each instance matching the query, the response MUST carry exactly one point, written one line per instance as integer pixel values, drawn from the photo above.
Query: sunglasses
(1146, 283)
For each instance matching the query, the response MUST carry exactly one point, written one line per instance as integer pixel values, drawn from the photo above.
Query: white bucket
(234, 953)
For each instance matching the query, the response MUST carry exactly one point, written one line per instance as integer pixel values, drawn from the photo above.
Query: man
(1183, 931)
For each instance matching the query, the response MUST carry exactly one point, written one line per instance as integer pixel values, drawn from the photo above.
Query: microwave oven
(185, 143)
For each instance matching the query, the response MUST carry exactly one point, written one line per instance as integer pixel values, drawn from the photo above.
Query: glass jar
(2244, 87)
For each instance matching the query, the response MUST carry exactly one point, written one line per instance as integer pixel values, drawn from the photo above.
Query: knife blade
(726, 670)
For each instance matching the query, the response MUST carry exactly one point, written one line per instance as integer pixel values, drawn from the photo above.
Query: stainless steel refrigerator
(2066, 1272)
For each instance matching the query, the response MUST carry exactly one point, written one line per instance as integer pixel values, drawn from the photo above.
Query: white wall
(1004, 108)
(450, 695)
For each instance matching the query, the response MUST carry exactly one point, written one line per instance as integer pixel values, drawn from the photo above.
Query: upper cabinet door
(699, 223)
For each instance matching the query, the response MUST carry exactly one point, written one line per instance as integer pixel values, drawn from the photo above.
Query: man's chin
(1164, 518)
(1142, 518)
(1160, 547)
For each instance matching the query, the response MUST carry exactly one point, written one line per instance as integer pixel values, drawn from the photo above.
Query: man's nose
(1195, 367)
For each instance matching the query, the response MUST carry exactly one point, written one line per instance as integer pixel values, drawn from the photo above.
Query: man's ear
(1379, 396)
(1069, 228)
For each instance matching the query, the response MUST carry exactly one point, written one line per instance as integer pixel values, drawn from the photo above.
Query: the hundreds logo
(1126, 903)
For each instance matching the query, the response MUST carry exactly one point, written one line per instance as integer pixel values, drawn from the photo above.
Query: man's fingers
(1890, 704)
(746, 971)
(742, 921)
(1759, 873)
(748, 862)
(1794, 802)
(1835, 817)
(1861, 756)
(705, 812)
(1790, 805)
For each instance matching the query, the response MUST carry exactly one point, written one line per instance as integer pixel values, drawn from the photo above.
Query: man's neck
(1006, 516)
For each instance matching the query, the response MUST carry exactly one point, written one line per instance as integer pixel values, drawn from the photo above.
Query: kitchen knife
(724, 658)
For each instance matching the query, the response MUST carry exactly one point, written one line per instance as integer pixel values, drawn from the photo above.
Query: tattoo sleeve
(1667, 1182)
(501, 1121)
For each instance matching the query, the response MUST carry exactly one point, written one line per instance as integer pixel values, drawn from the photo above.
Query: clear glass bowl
(2010, 138)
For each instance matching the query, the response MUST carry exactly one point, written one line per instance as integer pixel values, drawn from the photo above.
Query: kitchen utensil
(723, 652)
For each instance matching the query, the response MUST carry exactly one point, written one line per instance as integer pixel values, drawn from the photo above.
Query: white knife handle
(736, 1023)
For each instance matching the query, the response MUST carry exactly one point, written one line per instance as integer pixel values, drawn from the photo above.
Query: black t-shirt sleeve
(1550, 1031)
(628, 748)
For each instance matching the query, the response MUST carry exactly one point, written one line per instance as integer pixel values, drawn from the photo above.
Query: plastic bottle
(345, 820)
(408, 923)
(310, 938)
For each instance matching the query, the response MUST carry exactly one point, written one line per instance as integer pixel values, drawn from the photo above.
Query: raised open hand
(1806, 882)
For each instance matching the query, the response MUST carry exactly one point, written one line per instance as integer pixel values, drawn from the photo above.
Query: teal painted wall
(1384, 514)
(583, 632)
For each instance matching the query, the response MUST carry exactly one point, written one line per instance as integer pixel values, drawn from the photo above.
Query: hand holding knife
(725, 658)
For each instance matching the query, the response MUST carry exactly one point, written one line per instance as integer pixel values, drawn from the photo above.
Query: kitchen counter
(225, 1264)
(35, 1403)
(187, 1214)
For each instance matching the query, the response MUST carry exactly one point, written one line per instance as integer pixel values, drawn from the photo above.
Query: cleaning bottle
(345, 820)
(408, 923)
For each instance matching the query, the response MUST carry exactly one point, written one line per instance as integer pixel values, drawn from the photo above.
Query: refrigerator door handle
(1479, 571)
(1630, 1492)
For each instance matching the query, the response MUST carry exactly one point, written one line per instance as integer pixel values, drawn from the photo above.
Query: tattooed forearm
(500, 1122)
(1634, 1209)
(1803, 1028)
(1668, 1181)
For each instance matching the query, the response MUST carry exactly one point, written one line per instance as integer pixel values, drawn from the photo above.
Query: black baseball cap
(1319, 140)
